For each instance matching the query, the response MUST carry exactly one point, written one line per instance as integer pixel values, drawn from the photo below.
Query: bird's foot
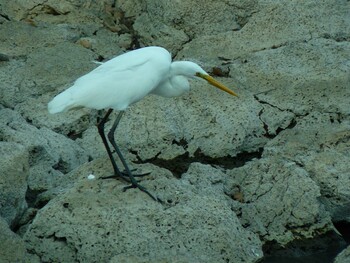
(134, 183)
(143, 189)
(125, 175)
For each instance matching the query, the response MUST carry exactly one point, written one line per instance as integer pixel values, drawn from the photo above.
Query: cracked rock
(129, 224)
(14, 170)
(278, 200)
(287, 60)
(13, 248)
(320, 144)
(344, 256)
(50, 154)
(207, 120)
(275, 119)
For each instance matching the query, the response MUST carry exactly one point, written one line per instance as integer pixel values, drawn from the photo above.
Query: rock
(12, 246)
(14, 171)
(106, 44)
(50, 154)
(310, 92)
(278, 200)
(287, 60)
(63, 61)
(344, 256)
(96, 221)
(319, 144)
(70, 124)
(17, 37)
(39, 12)
(275, 119)
(277, 44)
(4, 57)
(211, 122)
(43, 71)
(194, 16)
(171, 24)
(159, 34)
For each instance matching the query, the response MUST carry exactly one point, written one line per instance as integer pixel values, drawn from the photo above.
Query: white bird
(124, 80)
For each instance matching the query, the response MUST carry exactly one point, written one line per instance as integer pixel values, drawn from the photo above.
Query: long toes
(125, 173)
(115, 176)
(143, 189)
(118, 177)
(128, 187)
(134, 183)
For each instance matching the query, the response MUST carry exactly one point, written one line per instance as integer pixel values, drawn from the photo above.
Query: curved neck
(183, 68)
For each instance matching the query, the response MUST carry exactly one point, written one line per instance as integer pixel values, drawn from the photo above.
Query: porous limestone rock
(207, 120)
(275, 25)
(194, 17)
(51, 155)
(43, 70)
(287, 60)
(320, 144)
(278, 200)
(96, 221)
(14, 171)
(13, 248)
(344, 256)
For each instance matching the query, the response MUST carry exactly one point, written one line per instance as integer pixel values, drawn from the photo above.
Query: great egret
(124, 80)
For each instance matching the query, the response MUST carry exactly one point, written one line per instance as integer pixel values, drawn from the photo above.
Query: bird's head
(214, 82)
(193, 70)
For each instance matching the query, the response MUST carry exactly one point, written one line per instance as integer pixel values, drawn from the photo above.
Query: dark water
(322, 249)
(325, 256)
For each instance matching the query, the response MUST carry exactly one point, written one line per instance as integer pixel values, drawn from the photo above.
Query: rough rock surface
(319, 143)
(278, 200)
(14, 167)
(288, 60)
(344, 256)
(195, 224)
(50, 154)
(216, 132)
(13, 248)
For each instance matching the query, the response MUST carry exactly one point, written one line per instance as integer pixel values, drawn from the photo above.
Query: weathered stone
(160, 34)
(289, 61)
(13, 247)
(278, 200)
(96, 221)
(50, 154)
(70, 124)
(43, 71)
(209, 121)
(276, 24)
(194, 17)
(275, 119)
(320, 144)
(13, 180)
(106, 43)
(82, 15)
(15, 34)
(344, 256)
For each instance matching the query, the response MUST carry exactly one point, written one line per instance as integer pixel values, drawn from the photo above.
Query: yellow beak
(216, 83)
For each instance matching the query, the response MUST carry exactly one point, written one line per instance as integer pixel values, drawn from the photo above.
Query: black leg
(134, 183)
(101, 127)
(111, 133)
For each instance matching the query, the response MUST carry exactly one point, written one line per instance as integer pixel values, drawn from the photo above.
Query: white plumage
(128, 78)
(124, 80)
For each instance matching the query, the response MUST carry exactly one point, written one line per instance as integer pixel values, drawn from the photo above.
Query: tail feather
(62, 102)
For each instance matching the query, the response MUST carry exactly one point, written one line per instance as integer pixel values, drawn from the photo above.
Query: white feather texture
(128, 78)
(116, 83)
